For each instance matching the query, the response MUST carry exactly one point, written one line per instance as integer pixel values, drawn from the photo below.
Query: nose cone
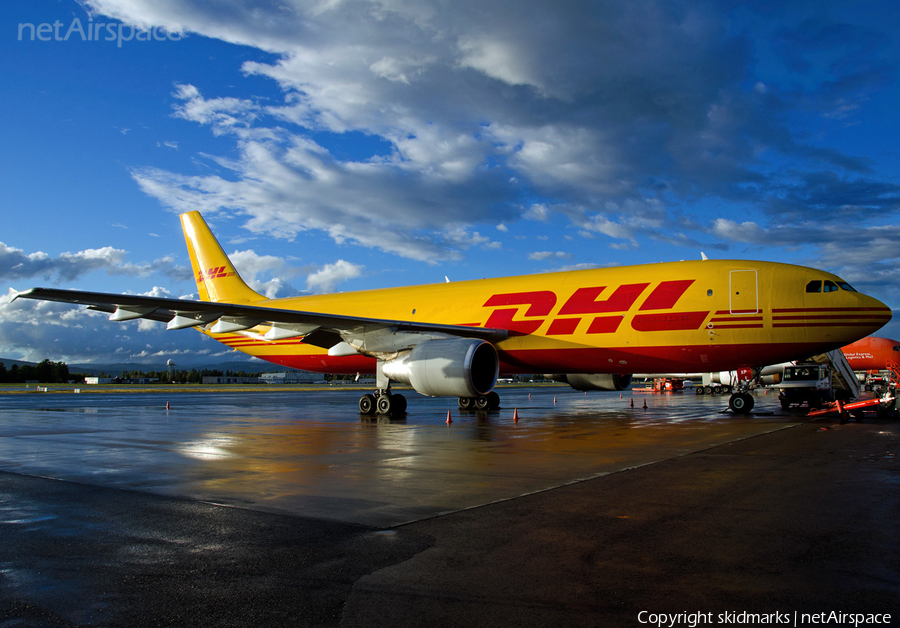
(870, 315)
(847, 317)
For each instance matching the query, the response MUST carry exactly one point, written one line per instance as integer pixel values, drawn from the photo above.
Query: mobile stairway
(842, 376)
(847, 390)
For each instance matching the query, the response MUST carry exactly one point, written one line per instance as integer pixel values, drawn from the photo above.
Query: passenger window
(846, 286)
(814, 286)
(830, 286)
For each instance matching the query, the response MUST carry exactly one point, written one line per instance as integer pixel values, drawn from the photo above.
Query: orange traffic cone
(516, 415)
(449, 420)
(645, 404)
(632, 402)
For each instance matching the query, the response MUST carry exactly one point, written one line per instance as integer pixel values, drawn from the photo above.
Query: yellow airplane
(455, 339)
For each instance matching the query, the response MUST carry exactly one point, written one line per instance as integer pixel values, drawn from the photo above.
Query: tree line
(47, 372)
(181, 376)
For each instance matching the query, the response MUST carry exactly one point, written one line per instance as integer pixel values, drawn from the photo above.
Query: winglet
(216, 278)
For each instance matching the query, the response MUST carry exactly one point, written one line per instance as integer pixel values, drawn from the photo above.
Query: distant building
(119, 380)
(292, 377)
(227, 379)
(350, 380)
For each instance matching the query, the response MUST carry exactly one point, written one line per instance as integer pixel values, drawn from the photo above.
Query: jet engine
(595, 381)
(455, 367)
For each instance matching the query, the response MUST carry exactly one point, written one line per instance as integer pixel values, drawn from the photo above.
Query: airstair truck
(818, 381)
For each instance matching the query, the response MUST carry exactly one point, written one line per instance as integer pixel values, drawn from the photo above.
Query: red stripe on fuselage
(676, 321)
(828, 309)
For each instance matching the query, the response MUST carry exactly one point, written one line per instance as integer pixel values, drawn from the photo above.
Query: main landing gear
(490, 401)
(382, 402)
(385, 403)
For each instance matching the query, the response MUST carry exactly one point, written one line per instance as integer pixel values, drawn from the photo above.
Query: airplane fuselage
(704, 315)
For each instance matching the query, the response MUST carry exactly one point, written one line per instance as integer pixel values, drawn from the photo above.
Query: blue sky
(341, 145)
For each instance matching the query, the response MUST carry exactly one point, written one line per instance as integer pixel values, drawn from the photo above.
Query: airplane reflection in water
(304, 454)
(414, 469)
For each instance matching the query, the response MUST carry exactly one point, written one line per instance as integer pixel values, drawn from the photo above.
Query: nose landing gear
(741, 403)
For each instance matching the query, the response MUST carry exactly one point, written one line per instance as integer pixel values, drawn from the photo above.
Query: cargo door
(744, 296)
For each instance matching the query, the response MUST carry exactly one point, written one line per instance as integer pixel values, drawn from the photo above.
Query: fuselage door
(744, 295)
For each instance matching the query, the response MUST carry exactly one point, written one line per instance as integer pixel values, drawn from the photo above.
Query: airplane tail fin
(216, 278)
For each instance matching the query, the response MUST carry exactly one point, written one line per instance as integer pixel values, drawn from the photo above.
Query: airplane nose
(875, 312)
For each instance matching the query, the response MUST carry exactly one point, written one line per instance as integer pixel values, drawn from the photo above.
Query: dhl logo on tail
(214, 273)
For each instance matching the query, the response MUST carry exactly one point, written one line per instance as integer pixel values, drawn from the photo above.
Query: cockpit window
(896, 347)
(828, 286)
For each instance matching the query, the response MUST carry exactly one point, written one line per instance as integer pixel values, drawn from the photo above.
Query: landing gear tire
(490, 401)
(398, 405)
(391, 405)
(367, 404)
(886, 410)
(741, 403)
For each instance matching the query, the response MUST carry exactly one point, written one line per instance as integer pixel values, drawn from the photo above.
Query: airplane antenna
(446, 278)
(703, 256)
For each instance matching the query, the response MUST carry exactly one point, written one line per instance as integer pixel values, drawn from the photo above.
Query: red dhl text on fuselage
(689, 306)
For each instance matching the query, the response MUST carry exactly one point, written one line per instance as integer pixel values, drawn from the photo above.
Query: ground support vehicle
(884, 407)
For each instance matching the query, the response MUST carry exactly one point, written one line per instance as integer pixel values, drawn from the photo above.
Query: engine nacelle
(595, 381)
(770, 380)
(725, 378)
(455, 367)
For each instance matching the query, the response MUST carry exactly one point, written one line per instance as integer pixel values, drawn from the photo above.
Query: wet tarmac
(311, 454)
(288, 508)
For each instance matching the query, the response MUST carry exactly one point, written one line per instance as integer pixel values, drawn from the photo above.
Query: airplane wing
(319, 329)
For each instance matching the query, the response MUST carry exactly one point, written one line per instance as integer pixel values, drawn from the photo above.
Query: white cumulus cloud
(330, 275)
